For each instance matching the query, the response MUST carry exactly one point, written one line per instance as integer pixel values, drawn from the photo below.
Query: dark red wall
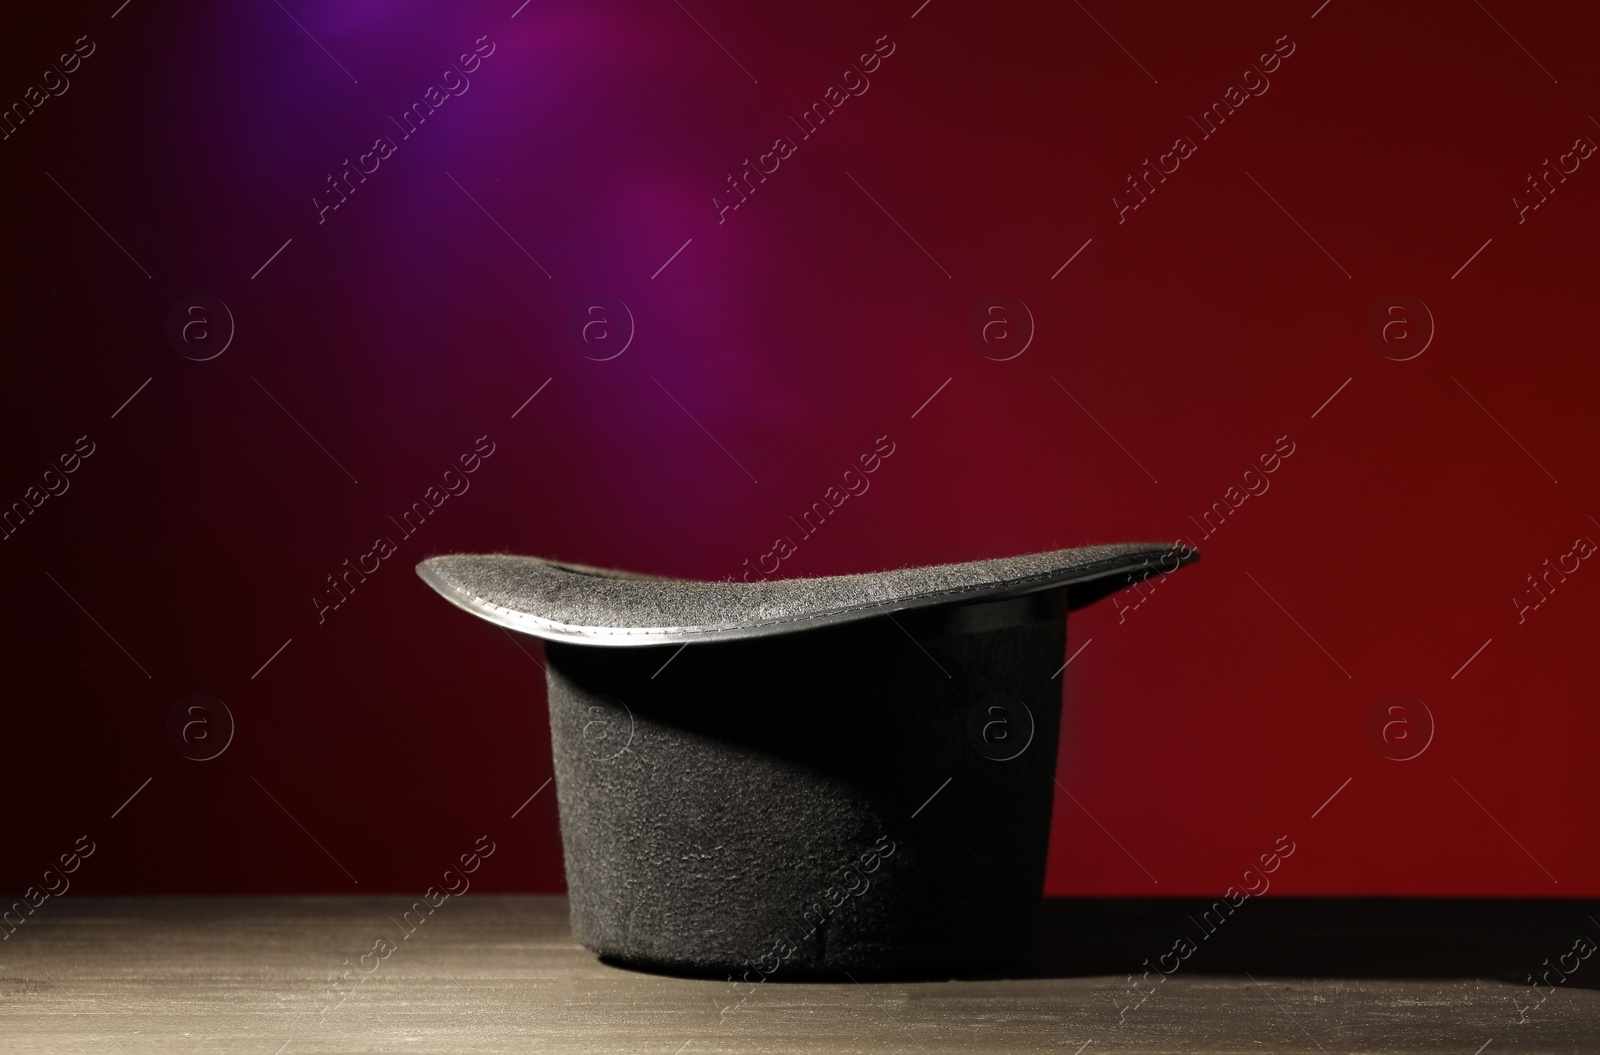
(1238, 312)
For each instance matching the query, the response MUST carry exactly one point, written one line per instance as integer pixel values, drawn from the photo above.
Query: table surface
(491, 973)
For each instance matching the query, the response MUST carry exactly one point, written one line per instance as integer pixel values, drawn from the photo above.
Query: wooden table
(261, 976)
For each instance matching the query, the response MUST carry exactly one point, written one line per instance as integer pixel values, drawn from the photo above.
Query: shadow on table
(1377, 938)
(1319, 938)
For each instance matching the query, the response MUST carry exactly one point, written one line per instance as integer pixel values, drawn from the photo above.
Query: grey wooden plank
(492, 974)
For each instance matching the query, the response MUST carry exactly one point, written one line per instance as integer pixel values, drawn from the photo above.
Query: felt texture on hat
(810, 804)
(597, 606)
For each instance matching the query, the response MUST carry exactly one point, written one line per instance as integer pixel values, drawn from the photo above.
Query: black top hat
(844, 773)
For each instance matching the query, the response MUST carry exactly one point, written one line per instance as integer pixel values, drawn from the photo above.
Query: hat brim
(605, 607)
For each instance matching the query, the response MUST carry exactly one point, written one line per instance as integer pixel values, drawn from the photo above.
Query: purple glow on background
(379, 344)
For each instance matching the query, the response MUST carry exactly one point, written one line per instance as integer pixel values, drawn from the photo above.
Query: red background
(1212, 321)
